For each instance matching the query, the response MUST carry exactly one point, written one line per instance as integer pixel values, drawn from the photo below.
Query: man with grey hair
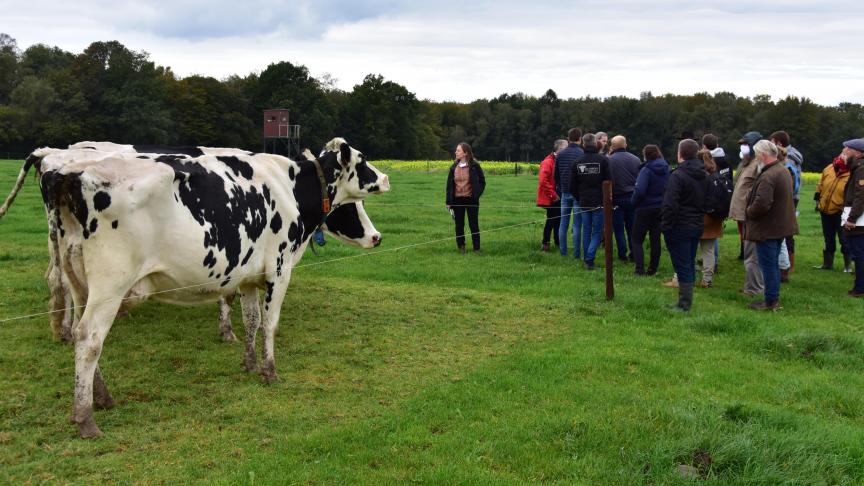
(586, 185)
(770, 218)
(602, 140)
(683, 217)
(624, 169)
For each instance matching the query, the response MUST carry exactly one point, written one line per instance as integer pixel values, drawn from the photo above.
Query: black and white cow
(186, 230)
(348, 222)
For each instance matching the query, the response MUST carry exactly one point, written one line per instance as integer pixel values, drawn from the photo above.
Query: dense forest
(109, 92)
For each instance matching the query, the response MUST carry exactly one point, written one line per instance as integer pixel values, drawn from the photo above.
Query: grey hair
(766, 147)
(589, 140)
(559, 144)
(599, 135)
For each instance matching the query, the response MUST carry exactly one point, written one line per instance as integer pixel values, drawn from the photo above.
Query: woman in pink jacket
(549, 195)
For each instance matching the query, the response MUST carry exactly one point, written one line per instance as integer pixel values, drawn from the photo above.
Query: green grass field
(423, 365)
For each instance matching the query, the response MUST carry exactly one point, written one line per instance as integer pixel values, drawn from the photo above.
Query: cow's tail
(33, 159)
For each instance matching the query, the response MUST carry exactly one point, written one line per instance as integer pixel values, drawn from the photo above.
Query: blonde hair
(766, 147)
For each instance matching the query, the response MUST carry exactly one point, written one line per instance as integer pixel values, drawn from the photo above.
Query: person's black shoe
(590, 266)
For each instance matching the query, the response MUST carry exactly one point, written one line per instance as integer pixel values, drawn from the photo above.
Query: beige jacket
(744, 179)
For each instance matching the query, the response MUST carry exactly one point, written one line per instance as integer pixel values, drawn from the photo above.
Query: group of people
(688, 206)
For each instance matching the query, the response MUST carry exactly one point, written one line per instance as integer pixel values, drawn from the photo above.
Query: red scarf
(840, 165)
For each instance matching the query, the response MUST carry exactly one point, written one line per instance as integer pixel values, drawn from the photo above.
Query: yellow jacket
(830, 191)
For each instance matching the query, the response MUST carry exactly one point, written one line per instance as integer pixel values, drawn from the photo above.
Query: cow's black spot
(225, 282)
(266, 192)
(268, 295)
(164, 149)
(345, 220)
(209, 260)
(65, 190)
(101, 201)
(142, 157)
(350, 176)
(93, 225)
(89, 148)
(345, 153)
(227, 212)
(239, 167)
(246, 258)
(365, 175)
(276, 223)
(211, 275)
(373, 188)
(172, 159)
(291, 173)
(114, 224)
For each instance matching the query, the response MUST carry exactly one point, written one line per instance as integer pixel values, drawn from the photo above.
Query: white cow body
(188, 230)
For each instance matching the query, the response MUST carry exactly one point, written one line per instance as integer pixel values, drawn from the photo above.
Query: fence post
(607, 236)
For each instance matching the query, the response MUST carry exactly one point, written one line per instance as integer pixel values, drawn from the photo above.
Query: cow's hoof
(269, 376)
(88, 429)
(228, 336)
(250, 365)
(66, 336)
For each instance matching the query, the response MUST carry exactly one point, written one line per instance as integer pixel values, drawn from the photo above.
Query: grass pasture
(423, 365)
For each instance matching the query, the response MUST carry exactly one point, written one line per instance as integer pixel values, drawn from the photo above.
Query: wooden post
(607, 237)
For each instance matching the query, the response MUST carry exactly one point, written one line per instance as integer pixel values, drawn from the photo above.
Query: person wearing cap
(830, 196)
(854, 223)
(745, 176)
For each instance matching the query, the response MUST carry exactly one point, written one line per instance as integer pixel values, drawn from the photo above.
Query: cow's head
(350, 223)
(349, 176)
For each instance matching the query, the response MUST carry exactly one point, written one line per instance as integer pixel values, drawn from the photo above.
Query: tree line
(52, 97)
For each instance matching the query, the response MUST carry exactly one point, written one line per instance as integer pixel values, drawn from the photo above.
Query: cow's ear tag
(325, 205)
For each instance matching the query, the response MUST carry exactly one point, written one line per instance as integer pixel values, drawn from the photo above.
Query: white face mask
(745, 151)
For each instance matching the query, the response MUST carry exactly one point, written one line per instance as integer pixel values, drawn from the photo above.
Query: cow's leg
(61, 315)
(252, 320)
(272, 307)
(225, 319)
(90, 333)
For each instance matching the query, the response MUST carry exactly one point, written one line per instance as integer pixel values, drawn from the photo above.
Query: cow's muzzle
(376, 239)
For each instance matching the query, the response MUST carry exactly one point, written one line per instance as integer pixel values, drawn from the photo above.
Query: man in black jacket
(586, 185)
(683, 216)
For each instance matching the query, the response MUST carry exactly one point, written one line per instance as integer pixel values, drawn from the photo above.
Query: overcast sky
(461, 51)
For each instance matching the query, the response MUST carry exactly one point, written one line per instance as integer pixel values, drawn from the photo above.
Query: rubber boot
(847, 264)
(827, 261)
(784, 275)
(685, 296)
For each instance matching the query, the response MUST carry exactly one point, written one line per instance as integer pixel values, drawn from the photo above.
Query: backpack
(719, 196)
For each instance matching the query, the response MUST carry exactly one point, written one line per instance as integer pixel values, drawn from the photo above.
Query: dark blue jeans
(569, 205)
(768, 253)
(592, 229)
(856, 245)
(682, 244)
(622, 221)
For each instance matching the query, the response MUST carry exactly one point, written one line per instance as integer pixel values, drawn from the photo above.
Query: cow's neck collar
(325, 197)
